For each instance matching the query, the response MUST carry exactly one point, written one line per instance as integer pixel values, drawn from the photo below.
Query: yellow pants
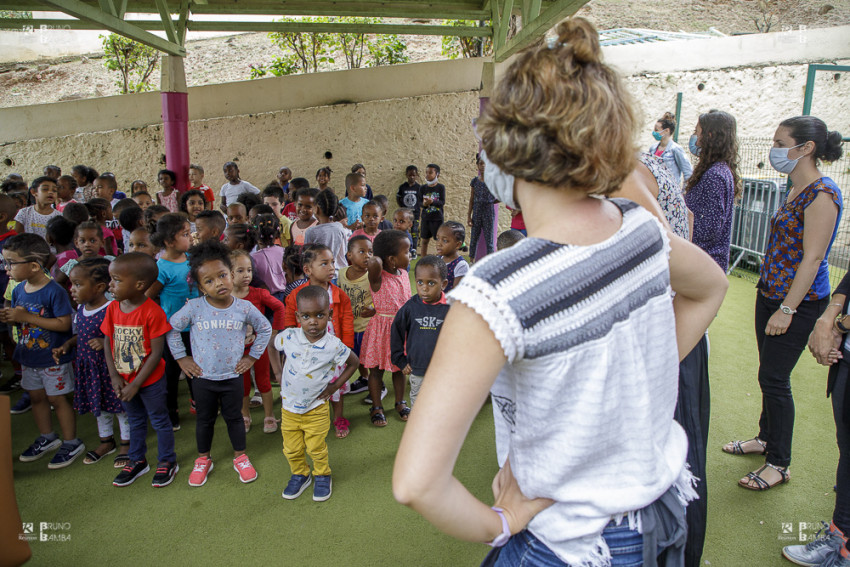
(304, 434)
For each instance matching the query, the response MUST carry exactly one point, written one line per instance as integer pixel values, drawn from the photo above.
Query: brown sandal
(761, 484)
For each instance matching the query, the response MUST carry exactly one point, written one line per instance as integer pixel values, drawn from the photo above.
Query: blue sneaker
(39, 448)
(298, 483)
(23, 404)
(827, 541)
(67, 454)
(836, 560)
(322, 488)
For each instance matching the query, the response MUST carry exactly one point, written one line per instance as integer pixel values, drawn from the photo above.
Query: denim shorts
(525, 550)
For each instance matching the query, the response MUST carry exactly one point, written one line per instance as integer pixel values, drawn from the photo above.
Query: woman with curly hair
(714, 184)
(570, 331)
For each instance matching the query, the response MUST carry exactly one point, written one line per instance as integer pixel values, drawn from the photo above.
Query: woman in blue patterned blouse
(793, 286)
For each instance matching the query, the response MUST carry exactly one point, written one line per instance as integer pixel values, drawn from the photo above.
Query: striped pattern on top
(584, 405)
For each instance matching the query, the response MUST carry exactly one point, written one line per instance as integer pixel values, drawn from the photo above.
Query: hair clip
(551, 41)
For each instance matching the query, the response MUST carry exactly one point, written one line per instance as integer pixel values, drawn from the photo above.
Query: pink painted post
(481, 249)
(175, 123)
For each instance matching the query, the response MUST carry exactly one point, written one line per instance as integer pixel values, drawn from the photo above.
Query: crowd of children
(112, 300)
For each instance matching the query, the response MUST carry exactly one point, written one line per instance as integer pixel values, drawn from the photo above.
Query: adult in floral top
(793, 286)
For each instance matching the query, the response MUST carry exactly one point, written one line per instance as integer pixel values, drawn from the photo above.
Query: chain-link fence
(764, 192)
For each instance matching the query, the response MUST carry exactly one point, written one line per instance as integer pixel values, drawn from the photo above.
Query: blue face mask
(780, 161)
(656, 135)
(692, 145)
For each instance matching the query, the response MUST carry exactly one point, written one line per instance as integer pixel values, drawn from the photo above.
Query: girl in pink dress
(389, 283)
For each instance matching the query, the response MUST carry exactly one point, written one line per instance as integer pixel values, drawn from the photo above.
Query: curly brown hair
(560, 117)
(718, 142)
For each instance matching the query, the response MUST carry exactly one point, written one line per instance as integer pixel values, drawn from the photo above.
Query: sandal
(737, 447)
(403, 413)
(760, 483)
(269, 424)
(378, 418)
(341, 426)
(247, 420)
(123, 459)
(93, 456)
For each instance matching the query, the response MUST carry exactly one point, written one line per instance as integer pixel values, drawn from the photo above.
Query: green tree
(387, 49)
(136, 62)
(309, 52)
(454, 46)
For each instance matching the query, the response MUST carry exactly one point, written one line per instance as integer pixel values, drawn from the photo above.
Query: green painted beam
(397, 29)
(84, 11)
(495, 22)
(165, 16)
(530, 10)
(108, 7)
(122, 8)
(183, 22)
(504, 22)
(468, 10)
(532, 30)
(157, 25)
(389, 10)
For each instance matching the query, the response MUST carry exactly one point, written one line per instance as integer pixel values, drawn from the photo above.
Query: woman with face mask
(669, 151)
(714, 184)
(793, 286)
(599, 272)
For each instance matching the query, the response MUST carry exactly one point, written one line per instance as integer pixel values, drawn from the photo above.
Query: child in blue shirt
(172, 289)
(355, 187)
(43, 310)
(217, 325)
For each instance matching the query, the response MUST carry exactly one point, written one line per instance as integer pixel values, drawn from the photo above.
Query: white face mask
(500, 184)
(779, 160)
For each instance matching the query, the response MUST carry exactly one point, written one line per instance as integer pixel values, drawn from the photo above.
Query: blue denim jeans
(525, 550)
(150, 402)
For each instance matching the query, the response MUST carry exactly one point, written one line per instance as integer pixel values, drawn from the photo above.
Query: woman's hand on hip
(778, 323)
(518, 509)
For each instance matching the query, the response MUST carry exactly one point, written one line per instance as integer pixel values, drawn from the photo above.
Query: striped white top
(584, 406)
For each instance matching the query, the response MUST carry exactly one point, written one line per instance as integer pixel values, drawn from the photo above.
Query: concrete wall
(416, 113)
(243, 98)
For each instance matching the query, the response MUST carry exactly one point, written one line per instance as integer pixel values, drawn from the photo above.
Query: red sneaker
(192, 409)
(203, 466)
(242, 465)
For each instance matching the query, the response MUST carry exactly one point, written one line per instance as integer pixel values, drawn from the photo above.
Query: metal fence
(764, 191)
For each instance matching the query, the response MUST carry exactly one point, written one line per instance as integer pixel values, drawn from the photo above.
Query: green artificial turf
(226, 522)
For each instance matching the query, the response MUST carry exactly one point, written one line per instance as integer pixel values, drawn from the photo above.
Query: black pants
(209, 396)
(172, 378)
(778, 355)
(692, 412)
(841, 515)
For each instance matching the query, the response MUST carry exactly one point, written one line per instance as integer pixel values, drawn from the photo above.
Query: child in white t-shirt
(34, 219)
(312, 358)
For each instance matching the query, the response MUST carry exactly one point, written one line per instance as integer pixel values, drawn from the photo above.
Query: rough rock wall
(386, 136)
(759, 97)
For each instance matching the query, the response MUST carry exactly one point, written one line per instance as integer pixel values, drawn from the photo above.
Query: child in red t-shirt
(196, 181)
(134, 327)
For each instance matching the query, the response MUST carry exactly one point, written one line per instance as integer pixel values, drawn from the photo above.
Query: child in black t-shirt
(433, 196)
(408, 197)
